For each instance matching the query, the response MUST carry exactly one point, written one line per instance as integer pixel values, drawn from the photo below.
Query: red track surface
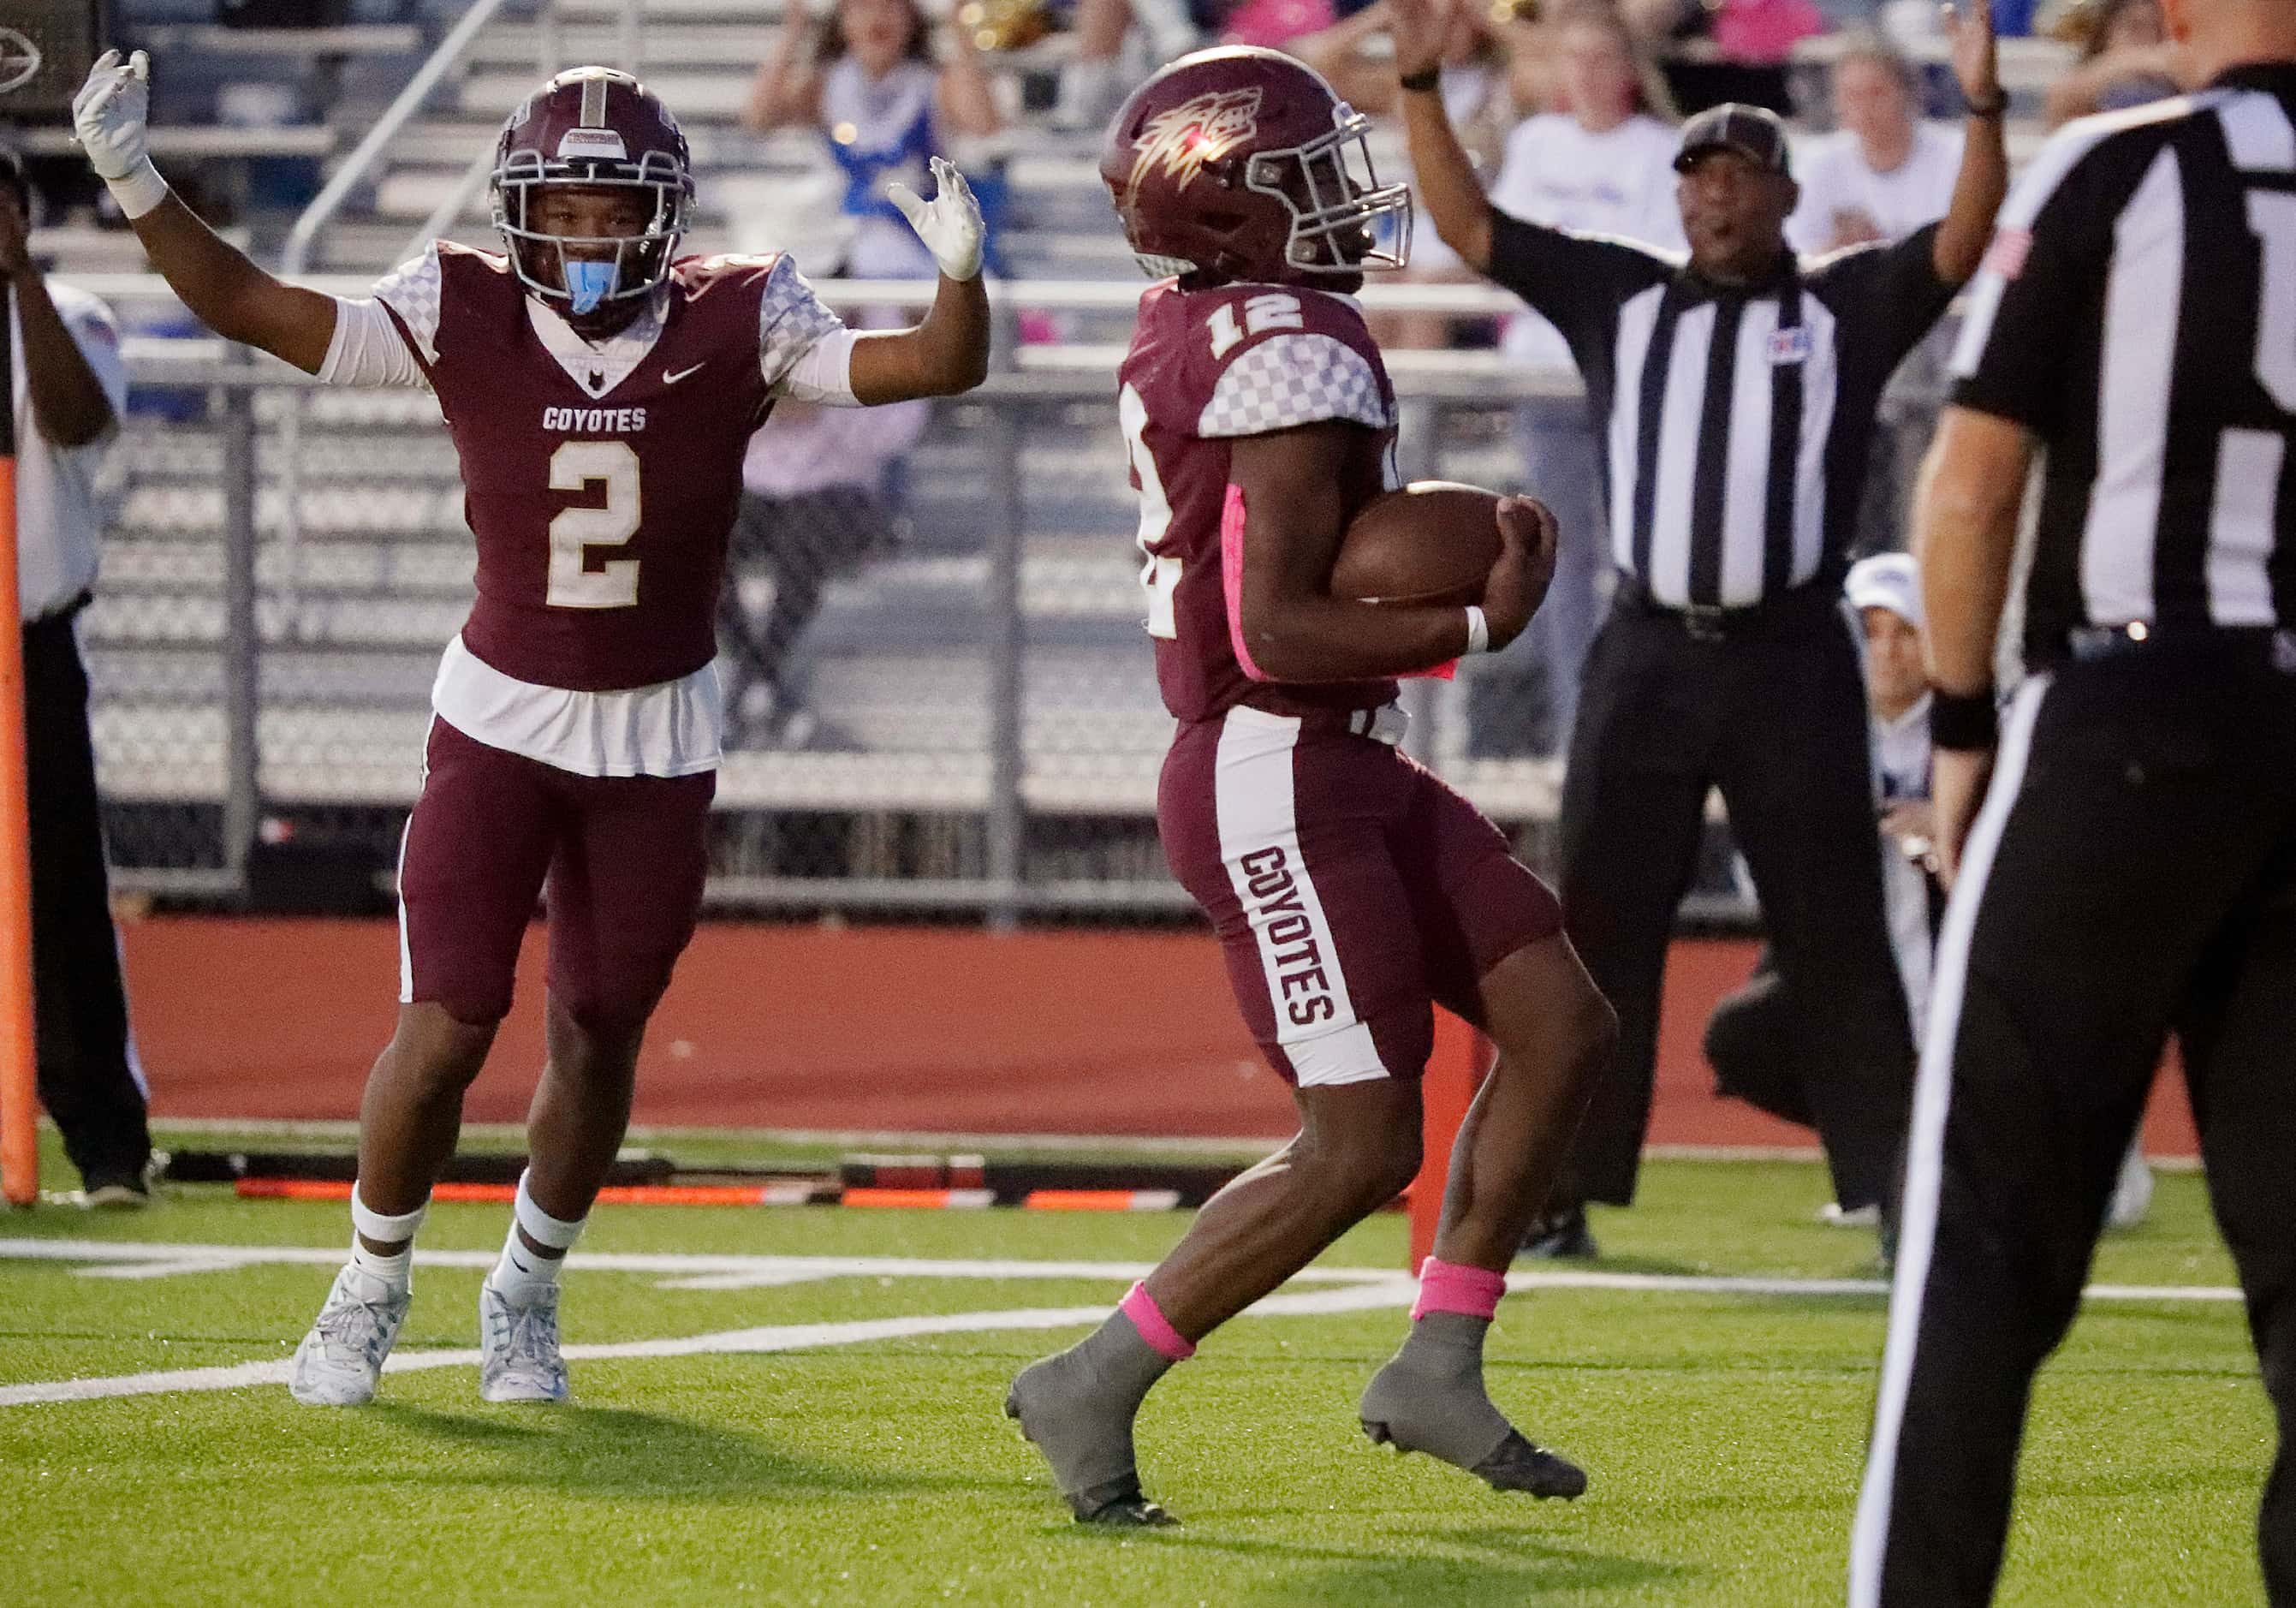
(885, 1029)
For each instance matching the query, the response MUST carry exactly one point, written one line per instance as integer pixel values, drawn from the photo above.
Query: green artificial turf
(1723, 1433)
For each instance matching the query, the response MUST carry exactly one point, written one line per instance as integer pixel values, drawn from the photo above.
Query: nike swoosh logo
(668, 378)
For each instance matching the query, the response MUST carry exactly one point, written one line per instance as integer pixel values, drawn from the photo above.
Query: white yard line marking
(1357, 1289)
(1389, 1291)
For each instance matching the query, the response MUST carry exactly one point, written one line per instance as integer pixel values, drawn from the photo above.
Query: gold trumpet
(1005, 24)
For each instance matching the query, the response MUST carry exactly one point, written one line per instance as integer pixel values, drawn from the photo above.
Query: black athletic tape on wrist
(1421, 82)
(1963, 721)
(1999, 106)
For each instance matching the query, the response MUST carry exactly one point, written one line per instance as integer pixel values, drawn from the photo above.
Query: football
(1430, 542)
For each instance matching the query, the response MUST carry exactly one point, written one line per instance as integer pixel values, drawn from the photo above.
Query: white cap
(1888, 580)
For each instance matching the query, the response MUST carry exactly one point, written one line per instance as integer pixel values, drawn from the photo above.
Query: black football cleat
(1119, 1505)
(1518, 1465)
(1561, 1237)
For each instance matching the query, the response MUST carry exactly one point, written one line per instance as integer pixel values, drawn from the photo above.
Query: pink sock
(1157, 1330)
(1448, 1287)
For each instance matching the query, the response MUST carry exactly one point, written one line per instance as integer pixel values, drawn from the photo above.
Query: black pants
(800, 542)
(80, 1005)
(1750, 1044)
(2133, 872)
(1774, 714)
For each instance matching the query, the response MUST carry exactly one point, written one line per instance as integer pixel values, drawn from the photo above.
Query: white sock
(395, 1273)
(520, 1274)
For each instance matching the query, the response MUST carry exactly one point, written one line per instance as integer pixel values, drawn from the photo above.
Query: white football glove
(110, 116)
(949, 224)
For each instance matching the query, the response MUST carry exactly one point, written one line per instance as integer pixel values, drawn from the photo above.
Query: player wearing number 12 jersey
(601, 392)
(1349, 889)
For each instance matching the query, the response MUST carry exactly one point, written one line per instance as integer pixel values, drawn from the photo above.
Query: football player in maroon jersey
(601, 390)
(1351, 891)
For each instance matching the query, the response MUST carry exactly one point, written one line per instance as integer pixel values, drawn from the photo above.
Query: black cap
(1753, 132)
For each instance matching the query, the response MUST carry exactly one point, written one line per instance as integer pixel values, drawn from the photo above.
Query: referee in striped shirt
(1736, 393)
(2124, 854)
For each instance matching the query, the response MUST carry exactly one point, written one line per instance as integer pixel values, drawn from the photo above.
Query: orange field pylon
(1455, 1072)
(20, 1141)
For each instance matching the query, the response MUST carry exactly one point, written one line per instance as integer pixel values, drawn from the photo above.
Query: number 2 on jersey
(614, 584)
(1161, 573)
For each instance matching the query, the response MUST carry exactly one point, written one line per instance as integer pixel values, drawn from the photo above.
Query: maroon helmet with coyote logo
(593, 127)
(1244, 164)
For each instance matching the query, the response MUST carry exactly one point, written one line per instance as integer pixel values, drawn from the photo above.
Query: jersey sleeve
(1290, 379)
(791, 322)
(1575, 282)
(389, 337)
(2049, 251)
(1890, 294)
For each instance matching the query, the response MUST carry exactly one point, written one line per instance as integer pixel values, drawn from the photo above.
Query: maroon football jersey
(1205, 367)
(601, 519)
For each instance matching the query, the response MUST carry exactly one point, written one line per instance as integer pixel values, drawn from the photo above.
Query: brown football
(1431, 542)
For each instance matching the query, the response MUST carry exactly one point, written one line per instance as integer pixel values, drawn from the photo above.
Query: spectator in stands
(2125, 60)
(815, 501)
(1885, 172)
(68, 387)
(1092, 83)
(1751, 42)
(1479, 92)
(866, 78)
(1603, 164)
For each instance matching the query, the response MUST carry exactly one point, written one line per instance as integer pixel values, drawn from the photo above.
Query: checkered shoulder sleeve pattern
(1292, 379)
(414, 291)
(790, 318)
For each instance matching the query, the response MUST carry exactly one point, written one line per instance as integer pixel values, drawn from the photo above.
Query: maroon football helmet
(1244, 163)
(595, 127)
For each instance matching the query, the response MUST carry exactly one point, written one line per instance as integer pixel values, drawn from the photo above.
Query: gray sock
(1077, 1407)
(1429, 1397)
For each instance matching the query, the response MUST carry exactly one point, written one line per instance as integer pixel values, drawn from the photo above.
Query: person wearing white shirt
(68, 388)
(1884, 172)
(1603, 165)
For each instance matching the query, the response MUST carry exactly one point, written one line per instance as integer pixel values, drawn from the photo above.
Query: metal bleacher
(929, 732)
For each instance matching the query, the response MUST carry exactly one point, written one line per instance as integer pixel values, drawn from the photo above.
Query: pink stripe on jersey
(1449, 1287)
(1154, 1328)
(1232, 578)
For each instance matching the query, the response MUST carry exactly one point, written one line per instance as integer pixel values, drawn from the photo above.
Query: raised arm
(786, 89)
(1448, 186)
(69, 403)
(966, 102)
(224, 290)
(1984, 177)
(948, 351)
(1291, 626)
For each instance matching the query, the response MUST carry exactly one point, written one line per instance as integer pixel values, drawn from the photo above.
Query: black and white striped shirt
(1736, 419)
(2138, 313)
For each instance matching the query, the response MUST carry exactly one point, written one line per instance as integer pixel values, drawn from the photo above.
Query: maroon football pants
(1352, 889)
(624, 858)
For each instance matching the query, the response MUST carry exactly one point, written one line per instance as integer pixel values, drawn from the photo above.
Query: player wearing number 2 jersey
(1351, 889)
(601, 392)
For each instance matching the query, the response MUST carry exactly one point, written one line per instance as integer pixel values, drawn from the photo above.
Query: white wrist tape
(140, 192)
(1479, 631)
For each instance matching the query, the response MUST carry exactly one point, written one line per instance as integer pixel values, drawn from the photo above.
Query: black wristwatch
(1421, 81)
(2000, 105)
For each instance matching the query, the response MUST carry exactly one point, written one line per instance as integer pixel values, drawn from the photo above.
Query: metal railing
(1034, 435)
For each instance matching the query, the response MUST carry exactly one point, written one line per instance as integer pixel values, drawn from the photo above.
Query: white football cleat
(2132, 1192)
(517, 1347)
(342, 1357)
